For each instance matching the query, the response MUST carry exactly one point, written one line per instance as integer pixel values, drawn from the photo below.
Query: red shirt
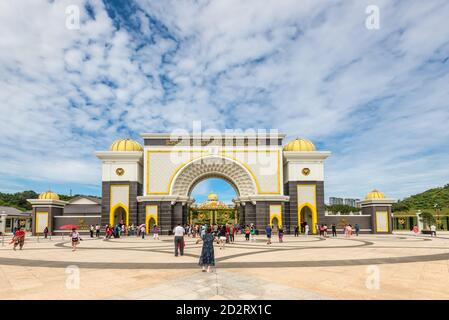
(20, 234)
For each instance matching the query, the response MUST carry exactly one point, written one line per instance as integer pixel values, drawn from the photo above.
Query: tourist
(19, 238)
(433, 230)
(357, 229)
(97, 230)
(179, 239)
(303, 226)
(306, 229)
(268, 230)
(123, 230)
(46, 232)
(334, 230)
(281, 234)
(109, 232)
(75, 238)
(222, 236)
(155, 232)
(321, 230)
(247, 232)
(142, 231)
(325, 230)
(189, 231)
(415, 230)
(232, 231)
(228, 232)
(348, 231)
(318, 229)
(207, 252)
(296, 231)
(203, 231)
(91, 230)
(253, 233)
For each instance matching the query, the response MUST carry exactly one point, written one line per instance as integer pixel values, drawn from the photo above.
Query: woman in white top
(306, 230)
(75, 238)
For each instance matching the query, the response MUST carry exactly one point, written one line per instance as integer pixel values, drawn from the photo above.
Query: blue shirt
(268, 230)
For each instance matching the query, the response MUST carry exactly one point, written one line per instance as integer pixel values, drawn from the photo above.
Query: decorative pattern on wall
(213, 167)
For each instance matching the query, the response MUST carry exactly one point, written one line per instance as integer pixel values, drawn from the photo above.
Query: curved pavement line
(225, 265)
(243, 264)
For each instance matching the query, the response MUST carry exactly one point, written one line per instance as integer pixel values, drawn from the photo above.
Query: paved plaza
(399, 266)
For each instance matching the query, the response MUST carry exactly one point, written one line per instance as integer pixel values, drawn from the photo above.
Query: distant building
(343, 201)
(49, 211)
(11, 218)
(351, 202)
(334, 201)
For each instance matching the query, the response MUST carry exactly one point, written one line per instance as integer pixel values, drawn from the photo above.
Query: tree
(427, 218)
(400, 206)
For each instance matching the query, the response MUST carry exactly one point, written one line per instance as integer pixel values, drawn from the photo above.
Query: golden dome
(300, 145)
(212, 197)
(126, 145)
(48, 195)
(375, 194)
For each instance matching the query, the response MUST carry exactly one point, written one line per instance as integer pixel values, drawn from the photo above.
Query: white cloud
(377, 99)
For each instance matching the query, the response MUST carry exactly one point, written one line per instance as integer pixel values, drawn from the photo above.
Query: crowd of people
(323, 229)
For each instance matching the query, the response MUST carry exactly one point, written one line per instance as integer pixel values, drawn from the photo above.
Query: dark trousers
(231, 237)
(179, 244)
(296, 233)
(98, 233)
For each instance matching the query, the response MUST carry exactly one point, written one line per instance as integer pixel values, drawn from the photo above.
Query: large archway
(213, 166)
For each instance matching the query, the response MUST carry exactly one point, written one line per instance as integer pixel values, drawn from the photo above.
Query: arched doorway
(150, 224)
(275, 225)
(119, 216)
(306, 215)
(213, 201)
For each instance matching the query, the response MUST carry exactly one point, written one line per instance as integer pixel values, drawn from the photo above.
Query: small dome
(300, 145)
(375, 194)
(212, 197)
(48, 195)
(126, 145)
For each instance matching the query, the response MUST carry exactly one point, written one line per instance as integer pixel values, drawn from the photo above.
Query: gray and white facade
(274, 184)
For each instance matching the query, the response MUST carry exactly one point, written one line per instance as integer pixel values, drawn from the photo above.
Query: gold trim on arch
(309, 205)
(151, 215)
(382, 212)
(112, 211)
(118, 204)
(37, 220)
(222, 153)
(276, 215)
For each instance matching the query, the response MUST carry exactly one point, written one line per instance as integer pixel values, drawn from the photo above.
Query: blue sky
(378, 99)
(220, 187)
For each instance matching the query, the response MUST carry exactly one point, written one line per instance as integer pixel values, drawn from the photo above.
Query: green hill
(425, 200)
